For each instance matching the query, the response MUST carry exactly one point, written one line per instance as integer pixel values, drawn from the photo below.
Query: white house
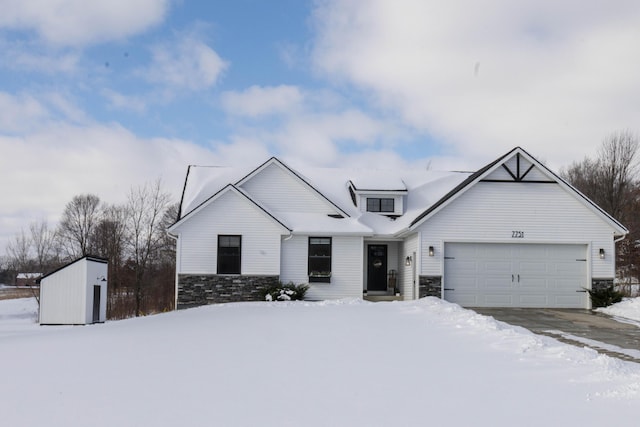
(75, 294)
(511, 234)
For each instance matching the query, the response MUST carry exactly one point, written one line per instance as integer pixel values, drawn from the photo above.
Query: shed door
(96, 303)
(516, 275)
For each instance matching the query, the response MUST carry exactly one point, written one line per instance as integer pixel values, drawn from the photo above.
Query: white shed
(75, 294)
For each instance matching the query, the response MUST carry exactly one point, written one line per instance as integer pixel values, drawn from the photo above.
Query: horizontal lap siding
(346, 276)
(492, 211)
(278, 191)
(230, 214)
(410, 246)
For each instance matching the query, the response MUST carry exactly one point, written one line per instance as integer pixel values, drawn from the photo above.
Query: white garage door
(515, 275)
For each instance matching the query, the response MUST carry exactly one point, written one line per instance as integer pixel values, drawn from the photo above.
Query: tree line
(131, 236)
(611, 180)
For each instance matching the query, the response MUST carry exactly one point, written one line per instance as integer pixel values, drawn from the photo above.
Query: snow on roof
(423, 187)
(28, 275)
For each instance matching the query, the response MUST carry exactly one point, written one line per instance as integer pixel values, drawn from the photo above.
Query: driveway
(577, 327)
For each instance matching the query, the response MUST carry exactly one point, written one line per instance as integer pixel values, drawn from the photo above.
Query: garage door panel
(516, 275)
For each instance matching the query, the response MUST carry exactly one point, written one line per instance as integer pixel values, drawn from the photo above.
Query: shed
(75, 294)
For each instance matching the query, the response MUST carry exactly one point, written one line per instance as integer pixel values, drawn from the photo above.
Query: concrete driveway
(576, 327)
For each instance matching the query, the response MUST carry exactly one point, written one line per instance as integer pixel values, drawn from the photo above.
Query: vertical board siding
(346, 277)
(408, 248)
(490, 212)
(96, 270)
(63, 296)
(278, 190)
(198, 242)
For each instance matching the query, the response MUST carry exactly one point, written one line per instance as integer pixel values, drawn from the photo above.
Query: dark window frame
(319, 263)
(377, 204)
(229, 257)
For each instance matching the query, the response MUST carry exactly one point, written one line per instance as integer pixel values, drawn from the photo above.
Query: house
(75, 294)
(27, 279)
(512, 234)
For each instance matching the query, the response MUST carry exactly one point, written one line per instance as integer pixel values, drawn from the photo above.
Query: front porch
(379, 297)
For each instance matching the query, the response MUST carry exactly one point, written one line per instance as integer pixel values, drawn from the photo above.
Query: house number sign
(517, 234)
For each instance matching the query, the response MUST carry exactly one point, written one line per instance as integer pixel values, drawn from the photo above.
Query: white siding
(95, 271)
(279, 191)
(490, 212)
(346, 276)
(66, 296)
(229, 214)
(410, 248)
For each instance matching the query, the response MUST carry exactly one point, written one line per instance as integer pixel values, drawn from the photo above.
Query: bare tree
(79, 218)
(611, 181)
(19, 252)
(43, 241)
(145, 206)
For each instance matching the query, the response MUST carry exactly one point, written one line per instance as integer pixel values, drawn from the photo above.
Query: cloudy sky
(96, 97)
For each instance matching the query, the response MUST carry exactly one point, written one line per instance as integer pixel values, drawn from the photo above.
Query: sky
(98, 97)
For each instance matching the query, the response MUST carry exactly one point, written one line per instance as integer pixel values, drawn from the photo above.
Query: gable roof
(293, 173)
(218, 194)
(518, 176)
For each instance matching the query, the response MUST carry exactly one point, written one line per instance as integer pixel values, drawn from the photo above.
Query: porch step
(379, 298)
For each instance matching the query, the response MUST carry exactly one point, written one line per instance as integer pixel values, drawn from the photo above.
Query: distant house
(75, 294)
(27, 279)
(511, 234)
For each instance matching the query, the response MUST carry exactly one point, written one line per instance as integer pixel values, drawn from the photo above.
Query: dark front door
(96, 304)
(377, 268)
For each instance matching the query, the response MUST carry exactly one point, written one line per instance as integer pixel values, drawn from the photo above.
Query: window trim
(379, 201)
(324, 276)
(239, 255)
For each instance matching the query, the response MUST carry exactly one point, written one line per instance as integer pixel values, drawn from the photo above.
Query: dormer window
(375, 204)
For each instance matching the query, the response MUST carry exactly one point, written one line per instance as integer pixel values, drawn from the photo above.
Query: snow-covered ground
(343, 363)
(629, 308)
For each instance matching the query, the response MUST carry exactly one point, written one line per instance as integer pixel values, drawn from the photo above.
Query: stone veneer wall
(201, 289)
(601, 284)
(430, 286)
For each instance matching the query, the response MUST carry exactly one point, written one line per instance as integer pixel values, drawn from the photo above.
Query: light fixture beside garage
(601, 253)
(431, 251)
(407, 261)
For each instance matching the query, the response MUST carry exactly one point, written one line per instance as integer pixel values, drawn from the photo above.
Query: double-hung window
(229, 254)
(375, 204)
(320, 259)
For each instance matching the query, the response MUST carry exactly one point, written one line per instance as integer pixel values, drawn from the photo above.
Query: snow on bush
(285, 292)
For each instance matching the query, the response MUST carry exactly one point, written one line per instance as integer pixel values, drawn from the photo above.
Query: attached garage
(516, 275)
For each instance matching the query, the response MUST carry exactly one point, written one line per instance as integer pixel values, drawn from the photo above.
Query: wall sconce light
(431, 251)
(601, 253)
(407, 261)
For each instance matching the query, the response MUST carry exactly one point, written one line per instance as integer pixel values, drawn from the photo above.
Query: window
(229, 251)
(380, 205)
(320, 259)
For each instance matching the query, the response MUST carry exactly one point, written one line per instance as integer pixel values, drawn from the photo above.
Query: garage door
(515, 275)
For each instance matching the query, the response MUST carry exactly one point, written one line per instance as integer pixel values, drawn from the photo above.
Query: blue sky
(101, 96)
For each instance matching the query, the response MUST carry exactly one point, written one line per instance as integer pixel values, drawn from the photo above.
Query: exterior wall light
(601, 253)
(407, 261)
(431, 251)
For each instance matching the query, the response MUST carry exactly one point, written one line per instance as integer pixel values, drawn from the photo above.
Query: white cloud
(186, 64)
(81, 22)
(119, 101)
(482, 77)
(20, 112)
(258, 101)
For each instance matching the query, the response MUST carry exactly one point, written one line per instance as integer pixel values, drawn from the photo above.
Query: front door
(96, 304)
(377, 268)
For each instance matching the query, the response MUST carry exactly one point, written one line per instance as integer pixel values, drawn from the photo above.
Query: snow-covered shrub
(285, 292)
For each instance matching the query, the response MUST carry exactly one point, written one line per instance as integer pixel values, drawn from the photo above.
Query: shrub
(604, 297)
(285, 292)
